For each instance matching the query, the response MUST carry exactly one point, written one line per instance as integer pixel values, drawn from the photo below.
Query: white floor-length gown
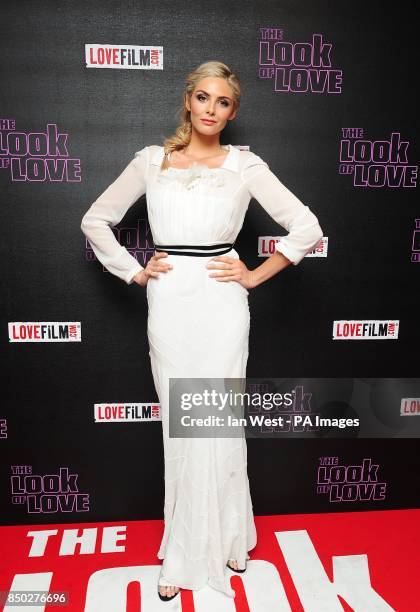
(199, 327)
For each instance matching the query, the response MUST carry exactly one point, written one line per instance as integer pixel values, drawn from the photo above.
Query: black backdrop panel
(47, 422)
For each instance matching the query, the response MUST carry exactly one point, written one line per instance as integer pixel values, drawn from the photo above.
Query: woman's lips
(208, 121)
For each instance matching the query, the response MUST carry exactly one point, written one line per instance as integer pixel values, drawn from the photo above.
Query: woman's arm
(271, 266)
(108, 210)
(288, 211)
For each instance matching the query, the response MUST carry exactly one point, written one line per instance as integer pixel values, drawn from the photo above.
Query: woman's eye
(202, 98)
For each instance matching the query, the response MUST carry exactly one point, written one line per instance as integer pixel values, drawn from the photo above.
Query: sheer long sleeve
(108, 210)
(284, 207)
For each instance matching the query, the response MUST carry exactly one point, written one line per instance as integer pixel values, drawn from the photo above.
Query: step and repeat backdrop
(327, 102)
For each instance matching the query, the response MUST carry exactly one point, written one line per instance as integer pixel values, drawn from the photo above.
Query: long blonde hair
(182, 135)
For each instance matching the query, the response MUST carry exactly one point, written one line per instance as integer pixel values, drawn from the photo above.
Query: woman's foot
(166, 591)
(233, 565)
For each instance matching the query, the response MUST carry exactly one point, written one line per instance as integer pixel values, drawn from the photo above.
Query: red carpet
(358, 561)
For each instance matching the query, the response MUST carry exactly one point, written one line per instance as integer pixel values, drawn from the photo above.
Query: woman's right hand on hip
(153, 268)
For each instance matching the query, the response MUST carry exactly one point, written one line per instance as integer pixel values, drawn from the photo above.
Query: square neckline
(199, 164)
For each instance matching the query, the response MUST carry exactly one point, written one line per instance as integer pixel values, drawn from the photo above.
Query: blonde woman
(197, 286)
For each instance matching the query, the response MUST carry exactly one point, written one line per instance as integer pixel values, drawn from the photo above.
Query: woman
(198, 322)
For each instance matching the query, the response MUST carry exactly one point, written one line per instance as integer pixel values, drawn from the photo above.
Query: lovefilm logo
(366, 330)
(37, 156)
(410, 406)
(128, 57)
(45, 331)
(300, 67)
(349, 482)
(126, 413)
(376, 163)
(267, 246)
(49, 493)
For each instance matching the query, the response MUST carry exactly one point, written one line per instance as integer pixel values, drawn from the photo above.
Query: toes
(168, 591)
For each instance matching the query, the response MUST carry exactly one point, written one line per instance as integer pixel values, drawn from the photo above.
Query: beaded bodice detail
(190, 178)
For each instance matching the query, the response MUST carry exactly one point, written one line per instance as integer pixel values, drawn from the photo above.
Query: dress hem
(190, 587)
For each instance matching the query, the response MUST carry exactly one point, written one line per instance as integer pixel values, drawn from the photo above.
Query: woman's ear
(187, 102)
(233, 115)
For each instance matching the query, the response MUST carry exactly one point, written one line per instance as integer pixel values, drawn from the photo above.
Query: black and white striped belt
(195, 250)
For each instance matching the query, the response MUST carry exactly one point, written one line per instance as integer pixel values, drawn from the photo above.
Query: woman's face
(212, 99)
